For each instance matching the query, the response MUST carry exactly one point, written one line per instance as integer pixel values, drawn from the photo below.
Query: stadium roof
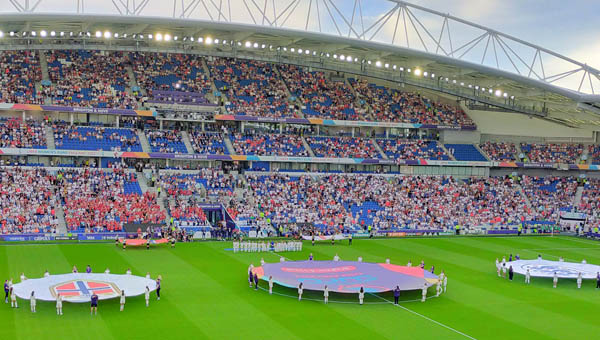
(442, 52)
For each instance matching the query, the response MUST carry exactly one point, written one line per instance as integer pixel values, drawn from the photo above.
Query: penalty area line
(428, 318)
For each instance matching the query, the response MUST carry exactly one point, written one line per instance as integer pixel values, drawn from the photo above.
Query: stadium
(292, 169)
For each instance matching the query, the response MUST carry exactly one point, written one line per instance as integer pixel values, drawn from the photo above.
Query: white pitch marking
(429, 319)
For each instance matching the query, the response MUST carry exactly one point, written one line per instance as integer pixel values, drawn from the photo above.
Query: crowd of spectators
(169, 72)
(590, 204)
(549, 194)
(89, 78)
(208, 143)
(252, 87)
(268, 145)
(594, 154)
(27, 201)
(500, 151)
(321, 96)
(95, 138)
(412, 149)
(343, 147)
(552, 153)
(20, 72)
(391, 105)
(185, 212)
(96, 201)
(169, 141)
(15, 133)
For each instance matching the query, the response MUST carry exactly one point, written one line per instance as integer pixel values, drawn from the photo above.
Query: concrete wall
(516, 124)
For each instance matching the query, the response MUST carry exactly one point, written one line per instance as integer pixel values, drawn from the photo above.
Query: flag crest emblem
(77, 289)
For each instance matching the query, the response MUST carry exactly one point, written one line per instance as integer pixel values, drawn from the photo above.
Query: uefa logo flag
(76, 289)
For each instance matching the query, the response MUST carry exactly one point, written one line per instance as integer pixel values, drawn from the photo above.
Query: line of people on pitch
(9, 292)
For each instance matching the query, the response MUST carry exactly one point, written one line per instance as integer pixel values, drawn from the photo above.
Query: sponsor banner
(27, 237)
(396, 234)
(348, 123)
(133, 227)
(446, 233)
(569, 215)
(100, 237)
(66, 237)
(359, 235)
(93, 110)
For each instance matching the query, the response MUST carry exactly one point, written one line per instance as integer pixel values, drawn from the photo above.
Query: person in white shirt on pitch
(579, 278)
(13, 298)
(23, 278)
(32, 302)
(122, 302)
(387, 261)
(59, 305)
(445, 282)
(555, 280)
(300, 290)
(148, 275)
(528, 277)
(438, 288)
(424, 293)
(361, 295)
(147, 296)
(107, 271)
(360, 259)
(498, 267)
(336, 258)
(409, 264)
(281, 259)
(270, 284)
(262, 261)
(128, 272)
(46, 273)
(326, 294)
(584, 261)
(504, 270)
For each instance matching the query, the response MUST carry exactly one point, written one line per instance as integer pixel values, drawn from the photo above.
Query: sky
(566, 27)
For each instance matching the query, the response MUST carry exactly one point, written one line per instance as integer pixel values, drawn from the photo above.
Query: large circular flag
(79, 287)
(545, 268)
(346, 276)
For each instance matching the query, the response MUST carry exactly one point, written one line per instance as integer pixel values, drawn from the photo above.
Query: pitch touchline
(427, 318)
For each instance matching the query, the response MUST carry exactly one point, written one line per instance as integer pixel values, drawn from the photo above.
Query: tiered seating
(208, 143)
(252, 87)
(95, 138)
(590, 204)
(465, 152)
(166, 141)
(177, 73)
(550, 194)
(95, 200)
(553, 153)
(409, 149)
(268, 145)
(594, 154)
(16, 134)
(210, 180)
(391, 105)
(89, 78)
(185, 213)
(178, 97)
(20, 70)
(343, 147)
(498, 151)
(322, 97)
(27, 201)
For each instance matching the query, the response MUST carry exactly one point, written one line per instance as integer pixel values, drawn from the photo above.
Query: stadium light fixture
(462, 84)
(433, 75)
(98, 34)
(255, 45)
(498, 93)
(263, 46)
(208, 40)
(342, 57)
(43, 33)
(505, 94)
(175, 38)
(167, 37)
(107, 35)
(307, 52)
(476, 87)
(52, 33)
(386, 65)
(470, 86)
(33, 33)
(355, 59)
(248, 44)
(327, 55)
(394, 67)
(299, 51)
(335, 56)
(491, 91)
(425, 74)
(116, 35)
(512, 97)
(378, 63)
(349, 58)
(401, 69)
(409, 70)
(11, 33)
(1, 34)
(417, 72)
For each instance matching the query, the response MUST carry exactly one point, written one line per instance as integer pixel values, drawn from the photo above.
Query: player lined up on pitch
(61, 296)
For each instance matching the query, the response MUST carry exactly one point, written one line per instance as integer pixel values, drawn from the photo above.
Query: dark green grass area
(206, 295)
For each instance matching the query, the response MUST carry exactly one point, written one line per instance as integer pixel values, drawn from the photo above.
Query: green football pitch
(205, 294)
